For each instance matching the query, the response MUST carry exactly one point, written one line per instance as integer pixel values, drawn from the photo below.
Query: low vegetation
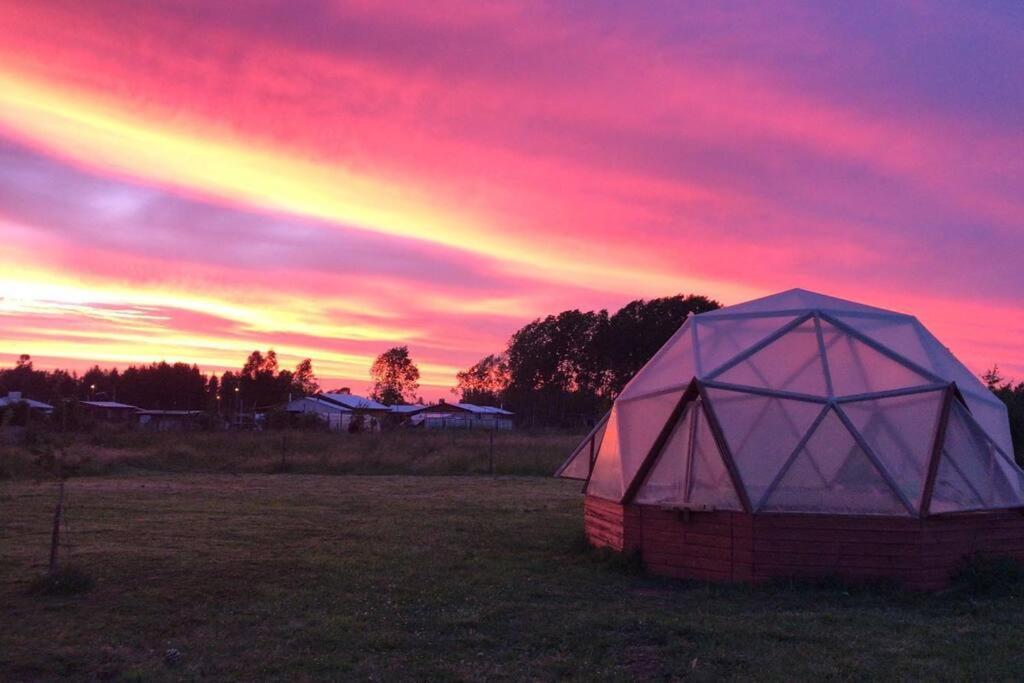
(110, 450)
(256, 576)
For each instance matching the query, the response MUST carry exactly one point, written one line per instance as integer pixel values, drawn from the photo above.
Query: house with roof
(14, 398)
(444, 415)
(409, 410)
(108, 411)
(336, 416)
(358, 404)
(170, 420)
(341, 408)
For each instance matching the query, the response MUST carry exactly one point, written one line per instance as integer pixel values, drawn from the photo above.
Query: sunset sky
(193, 180)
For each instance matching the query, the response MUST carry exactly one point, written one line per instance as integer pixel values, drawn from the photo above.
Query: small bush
(67, 580)
(987, 576)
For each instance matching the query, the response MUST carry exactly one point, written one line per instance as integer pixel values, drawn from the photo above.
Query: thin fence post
(55, 535)
(491, 435)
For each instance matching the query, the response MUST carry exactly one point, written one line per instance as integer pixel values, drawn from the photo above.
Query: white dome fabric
(801, 402)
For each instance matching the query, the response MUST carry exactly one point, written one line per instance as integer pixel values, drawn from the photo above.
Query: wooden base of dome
(920, 554)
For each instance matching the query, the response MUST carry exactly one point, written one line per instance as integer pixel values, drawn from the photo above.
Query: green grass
(394, 577)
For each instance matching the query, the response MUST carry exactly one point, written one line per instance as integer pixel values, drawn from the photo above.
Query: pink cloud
(596, 155)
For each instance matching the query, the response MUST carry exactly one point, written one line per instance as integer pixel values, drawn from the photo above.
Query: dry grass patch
(128, 451)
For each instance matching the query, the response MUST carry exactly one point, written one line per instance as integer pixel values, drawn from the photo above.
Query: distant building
(462, 416)
(109, 411)
(170, 420)
(335, 415)
(358, 404)
(408, 410)
(15, 397)
(339, 409)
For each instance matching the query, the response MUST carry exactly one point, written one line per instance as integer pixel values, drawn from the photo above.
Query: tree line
(565, 370)
(560, 371)
(260, 382)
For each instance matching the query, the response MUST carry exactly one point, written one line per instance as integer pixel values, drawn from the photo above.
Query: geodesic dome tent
(803, 403)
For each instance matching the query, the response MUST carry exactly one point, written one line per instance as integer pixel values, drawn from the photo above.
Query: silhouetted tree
(304, 381)
(638, 329)
(566, 369)
(485, 382)
(25, 378)
(163, 386)
(1013, 396)
(992, 379)
(395, 377)
(260, 381)
(556, 368)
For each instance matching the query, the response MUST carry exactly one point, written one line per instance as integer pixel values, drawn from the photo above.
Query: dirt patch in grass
(258, 576)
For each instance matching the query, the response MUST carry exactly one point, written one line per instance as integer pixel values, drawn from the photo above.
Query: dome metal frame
(695, 394)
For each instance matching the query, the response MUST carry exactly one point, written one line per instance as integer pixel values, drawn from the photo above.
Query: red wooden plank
(728, 545)
(688, 551)
(866, 523)
(827, 535)
(742, 556)
(835, 562)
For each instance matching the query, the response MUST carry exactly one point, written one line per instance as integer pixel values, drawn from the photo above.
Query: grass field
(111, 451)
(260, 576)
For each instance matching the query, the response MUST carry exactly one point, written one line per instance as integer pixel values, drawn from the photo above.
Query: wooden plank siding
(922, 554)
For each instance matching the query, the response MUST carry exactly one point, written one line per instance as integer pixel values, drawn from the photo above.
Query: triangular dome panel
(797, 300)
(897, 332)
(606, 478)
(690, 470)
(577, 466)
(906, 336)
(666, 482)
(633, 427)
(791, 363)
(900, 430)
(991, 416)
(832, 474)
(972, 473)
(721, 340)
(761, 432)
(673, 366)
(857, 368)
(710, 483)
